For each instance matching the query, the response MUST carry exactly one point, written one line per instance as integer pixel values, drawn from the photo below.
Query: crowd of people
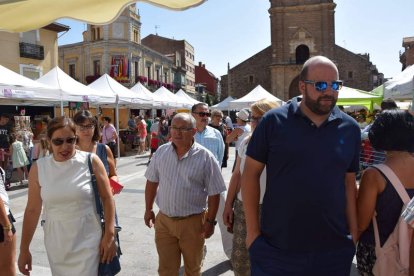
(292, 206)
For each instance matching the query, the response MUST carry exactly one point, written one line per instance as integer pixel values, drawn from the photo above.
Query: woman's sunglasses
(60, 141)
(321, 86)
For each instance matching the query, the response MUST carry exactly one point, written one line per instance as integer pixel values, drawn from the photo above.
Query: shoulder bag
(114, 267)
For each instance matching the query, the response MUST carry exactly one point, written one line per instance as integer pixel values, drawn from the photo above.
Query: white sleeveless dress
(72, 231)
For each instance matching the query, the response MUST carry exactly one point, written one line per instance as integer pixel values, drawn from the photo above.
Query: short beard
(316, 107)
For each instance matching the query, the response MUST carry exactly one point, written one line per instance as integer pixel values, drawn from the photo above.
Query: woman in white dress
(61, 182)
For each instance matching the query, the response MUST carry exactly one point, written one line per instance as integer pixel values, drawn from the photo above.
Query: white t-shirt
(242, 155)
(246, 131)
(3, 194)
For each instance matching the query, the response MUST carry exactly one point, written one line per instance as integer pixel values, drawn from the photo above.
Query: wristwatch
(8, 227)
(212, 222)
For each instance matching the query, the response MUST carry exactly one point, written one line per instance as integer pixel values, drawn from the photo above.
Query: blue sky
(223, 31)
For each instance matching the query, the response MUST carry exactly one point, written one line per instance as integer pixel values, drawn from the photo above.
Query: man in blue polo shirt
(311, 152)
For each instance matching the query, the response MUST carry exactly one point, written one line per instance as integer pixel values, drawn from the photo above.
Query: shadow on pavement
(218, 269)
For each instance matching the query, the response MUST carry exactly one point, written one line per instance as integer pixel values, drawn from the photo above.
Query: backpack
(393, 257)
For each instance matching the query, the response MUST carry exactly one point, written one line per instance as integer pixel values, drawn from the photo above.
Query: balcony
(32, 51)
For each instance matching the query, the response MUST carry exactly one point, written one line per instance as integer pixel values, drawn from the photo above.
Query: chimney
(199, 64)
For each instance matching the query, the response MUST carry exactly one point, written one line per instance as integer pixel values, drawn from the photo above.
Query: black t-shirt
(5, 131)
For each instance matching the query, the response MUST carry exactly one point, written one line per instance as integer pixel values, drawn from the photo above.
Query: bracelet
(8, 227)
(212, 222)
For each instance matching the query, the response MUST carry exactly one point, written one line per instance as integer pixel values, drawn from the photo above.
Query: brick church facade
(299, 30)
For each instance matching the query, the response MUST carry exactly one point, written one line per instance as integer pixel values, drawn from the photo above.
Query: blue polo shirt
(304, 203)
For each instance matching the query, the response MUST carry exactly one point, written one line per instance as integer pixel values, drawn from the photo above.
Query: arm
(107, 246)
(351, 213)
(233, 135)
(372, 183)
(30, 220)
(150, 193)
(234, 187)
(250, 187)
(114, 134)
(208, 226)
(4, 221)
(111, 161)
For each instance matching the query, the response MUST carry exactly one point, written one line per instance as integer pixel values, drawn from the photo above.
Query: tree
(208, 100)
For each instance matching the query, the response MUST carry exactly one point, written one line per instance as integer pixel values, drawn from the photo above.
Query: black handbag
(114, 267)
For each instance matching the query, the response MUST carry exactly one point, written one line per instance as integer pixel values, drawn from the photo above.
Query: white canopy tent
(170, 99)
(258, 93)
(142, 91)
(110, 88)
(72, 90)
(401, 87)
(181, 94)
(224, 104)
(15, 88)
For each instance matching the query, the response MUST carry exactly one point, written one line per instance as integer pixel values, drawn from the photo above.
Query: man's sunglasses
(203, 114)
(321, 86)
(60, 141)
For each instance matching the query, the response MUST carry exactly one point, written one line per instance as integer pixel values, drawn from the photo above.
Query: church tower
(299, 29)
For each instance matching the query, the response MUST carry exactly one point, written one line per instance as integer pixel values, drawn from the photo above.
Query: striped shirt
(184, 184)
(211, 139)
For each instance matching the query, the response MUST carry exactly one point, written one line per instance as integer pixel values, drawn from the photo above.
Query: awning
(26, 15)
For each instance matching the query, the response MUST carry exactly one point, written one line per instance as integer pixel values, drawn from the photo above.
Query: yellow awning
(26, 15)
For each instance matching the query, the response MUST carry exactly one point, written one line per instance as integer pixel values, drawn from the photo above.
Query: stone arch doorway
(294, 88)
(302, 54)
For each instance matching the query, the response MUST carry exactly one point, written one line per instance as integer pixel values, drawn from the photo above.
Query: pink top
(107, 134)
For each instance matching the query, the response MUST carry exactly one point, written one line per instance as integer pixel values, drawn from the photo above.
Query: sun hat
(243, 115)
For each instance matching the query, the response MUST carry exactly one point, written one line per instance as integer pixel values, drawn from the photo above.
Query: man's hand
(208, 230)
(149, 218)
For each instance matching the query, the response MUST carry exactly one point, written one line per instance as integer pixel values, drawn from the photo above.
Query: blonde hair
(264, 105)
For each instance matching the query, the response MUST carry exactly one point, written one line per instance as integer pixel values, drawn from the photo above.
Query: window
(302, 54)
(136, 68)
(30, 37)
(95, 33)
(30, 71)
(72, 71)
(149, 71)
(96, 67)
(135, 35)
(251, 79)
(350, 75)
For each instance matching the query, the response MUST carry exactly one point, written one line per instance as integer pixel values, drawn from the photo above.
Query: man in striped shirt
(211, 138)
(181, 177)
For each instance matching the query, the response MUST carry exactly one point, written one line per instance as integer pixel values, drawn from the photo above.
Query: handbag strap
(95, 188)
(398, 186)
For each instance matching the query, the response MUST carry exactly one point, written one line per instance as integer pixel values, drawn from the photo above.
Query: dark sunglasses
(203, 114)
(321, 86)
(60, 141)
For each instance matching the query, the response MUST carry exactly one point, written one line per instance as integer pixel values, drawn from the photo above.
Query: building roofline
(56, 27)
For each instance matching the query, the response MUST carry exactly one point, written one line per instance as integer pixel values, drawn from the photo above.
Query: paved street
(137, 241)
